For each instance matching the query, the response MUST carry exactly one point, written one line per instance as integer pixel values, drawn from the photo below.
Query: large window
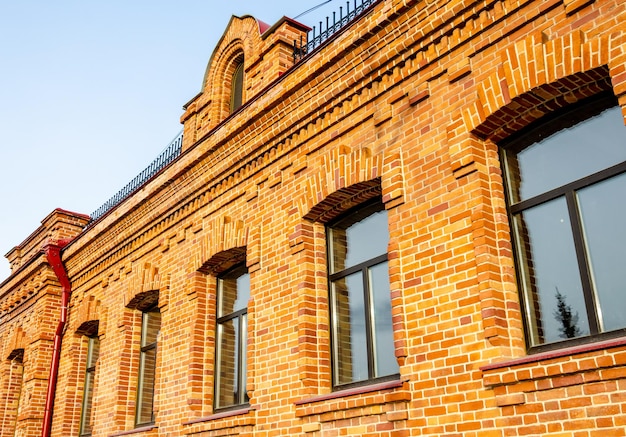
(233, 293)
(86, 417)
(150, 327)
(567, 189)
(360, 297)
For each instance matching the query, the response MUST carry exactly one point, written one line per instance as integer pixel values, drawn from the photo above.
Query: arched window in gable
(236, 88)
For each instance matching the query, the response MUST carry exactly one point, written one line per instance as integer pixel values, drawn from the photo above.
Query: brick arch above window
(526, 108)
(144, 300)
(17, 342)
(146, 287)
(88, 328)
(343, 200)
(343, 178)
(223, 261)
(89, 312)
(16, 355)
(222, 82)
(226, 242)
(537, 77)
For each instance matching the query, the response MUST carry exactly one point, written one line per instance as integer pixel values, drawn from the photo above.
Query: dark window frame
(536, 131)
(144, 349)
(350, 217)
(243, 400)
(90, 375)
(236, 85)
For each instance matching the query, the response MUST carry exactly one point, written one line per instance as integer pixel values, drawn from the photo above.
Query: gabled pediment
(248, 58)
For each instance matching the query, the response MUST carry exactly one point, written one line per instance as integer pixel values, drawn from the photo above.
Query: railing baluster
(316, 39)
(169, 154)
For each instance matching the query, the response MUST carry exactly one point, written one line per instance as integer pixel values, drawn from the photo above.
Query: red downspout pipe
(52, 249)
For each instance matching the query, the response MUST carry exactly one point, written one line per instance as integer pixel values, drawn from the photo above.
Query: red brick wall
(408, 103)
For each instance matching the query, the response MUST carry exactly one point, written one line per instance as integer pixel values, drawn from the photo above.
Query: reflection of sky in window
(243, 292)
(603, 210)
(553, 266)
(367, 239)
(358, 337)
(386, 363)
(581, 150)
(551, 263)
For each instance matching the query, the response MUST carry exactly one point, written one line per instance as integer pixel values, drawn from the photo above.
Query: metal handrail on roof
(317, 36)
(169, 154)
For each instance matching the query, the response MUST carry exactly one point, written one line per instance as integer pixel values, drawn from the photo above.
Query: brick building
(410, 228)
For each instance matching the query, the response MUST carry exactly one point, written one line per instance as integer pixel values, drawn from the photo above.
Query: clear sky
(91, 91)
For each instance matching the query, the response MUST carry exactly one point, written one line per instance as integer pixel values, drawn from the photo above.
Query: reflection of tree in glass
(563, 314)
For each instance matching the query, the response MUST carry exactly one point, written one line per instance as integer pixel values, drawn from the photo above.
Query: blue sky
(91, 92)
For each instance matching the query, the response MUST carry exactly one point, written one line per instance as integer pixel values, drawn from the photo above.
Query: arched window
(566, 185)
(236, 89)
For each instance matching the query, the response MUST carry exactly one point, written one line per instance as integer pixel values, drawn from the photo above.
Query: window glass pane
(94, 351)
(350, 337)
(384, 353)
(86, 421)
(227, 381)
(145, 392)
(86, 418)
(603, 213)
(554, 297)
(359, 242)
(236, 97)
(234, 291)
(568, 155)
(243, 394)
(150, 328)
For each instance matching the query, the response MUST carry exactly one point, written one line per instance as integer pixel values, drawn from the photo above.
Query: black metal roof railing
(317, 35)
(171, 152)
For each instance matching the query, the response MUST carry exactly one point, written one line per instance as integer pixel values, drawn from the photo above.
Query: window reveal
(233, 293)
(87, 412)
(566, 198)
(150, 327)
(362, 330)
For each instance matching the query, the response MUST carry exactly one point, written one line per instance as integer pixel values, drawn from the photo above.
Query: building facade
(412, 228)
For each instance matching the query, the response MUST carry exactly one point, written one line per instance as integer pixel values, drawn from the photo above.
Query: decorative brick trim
(143, 429)
(220, 415)
(144, 281)
(89, 312)
(557, 353)
(475, 164)
(538, 76)
(573, 6)
(227, 242)
(345, 178)
(199, 370)
(389, 401)
(339, 394)
(237, 422)
(569, 389)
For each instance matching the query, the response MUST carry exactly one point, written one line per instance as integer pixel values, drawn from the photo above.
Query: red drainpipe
(52, 249)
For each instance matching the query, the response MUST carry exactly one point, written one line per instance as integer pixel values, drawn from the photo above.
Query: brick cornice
(263, 142)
